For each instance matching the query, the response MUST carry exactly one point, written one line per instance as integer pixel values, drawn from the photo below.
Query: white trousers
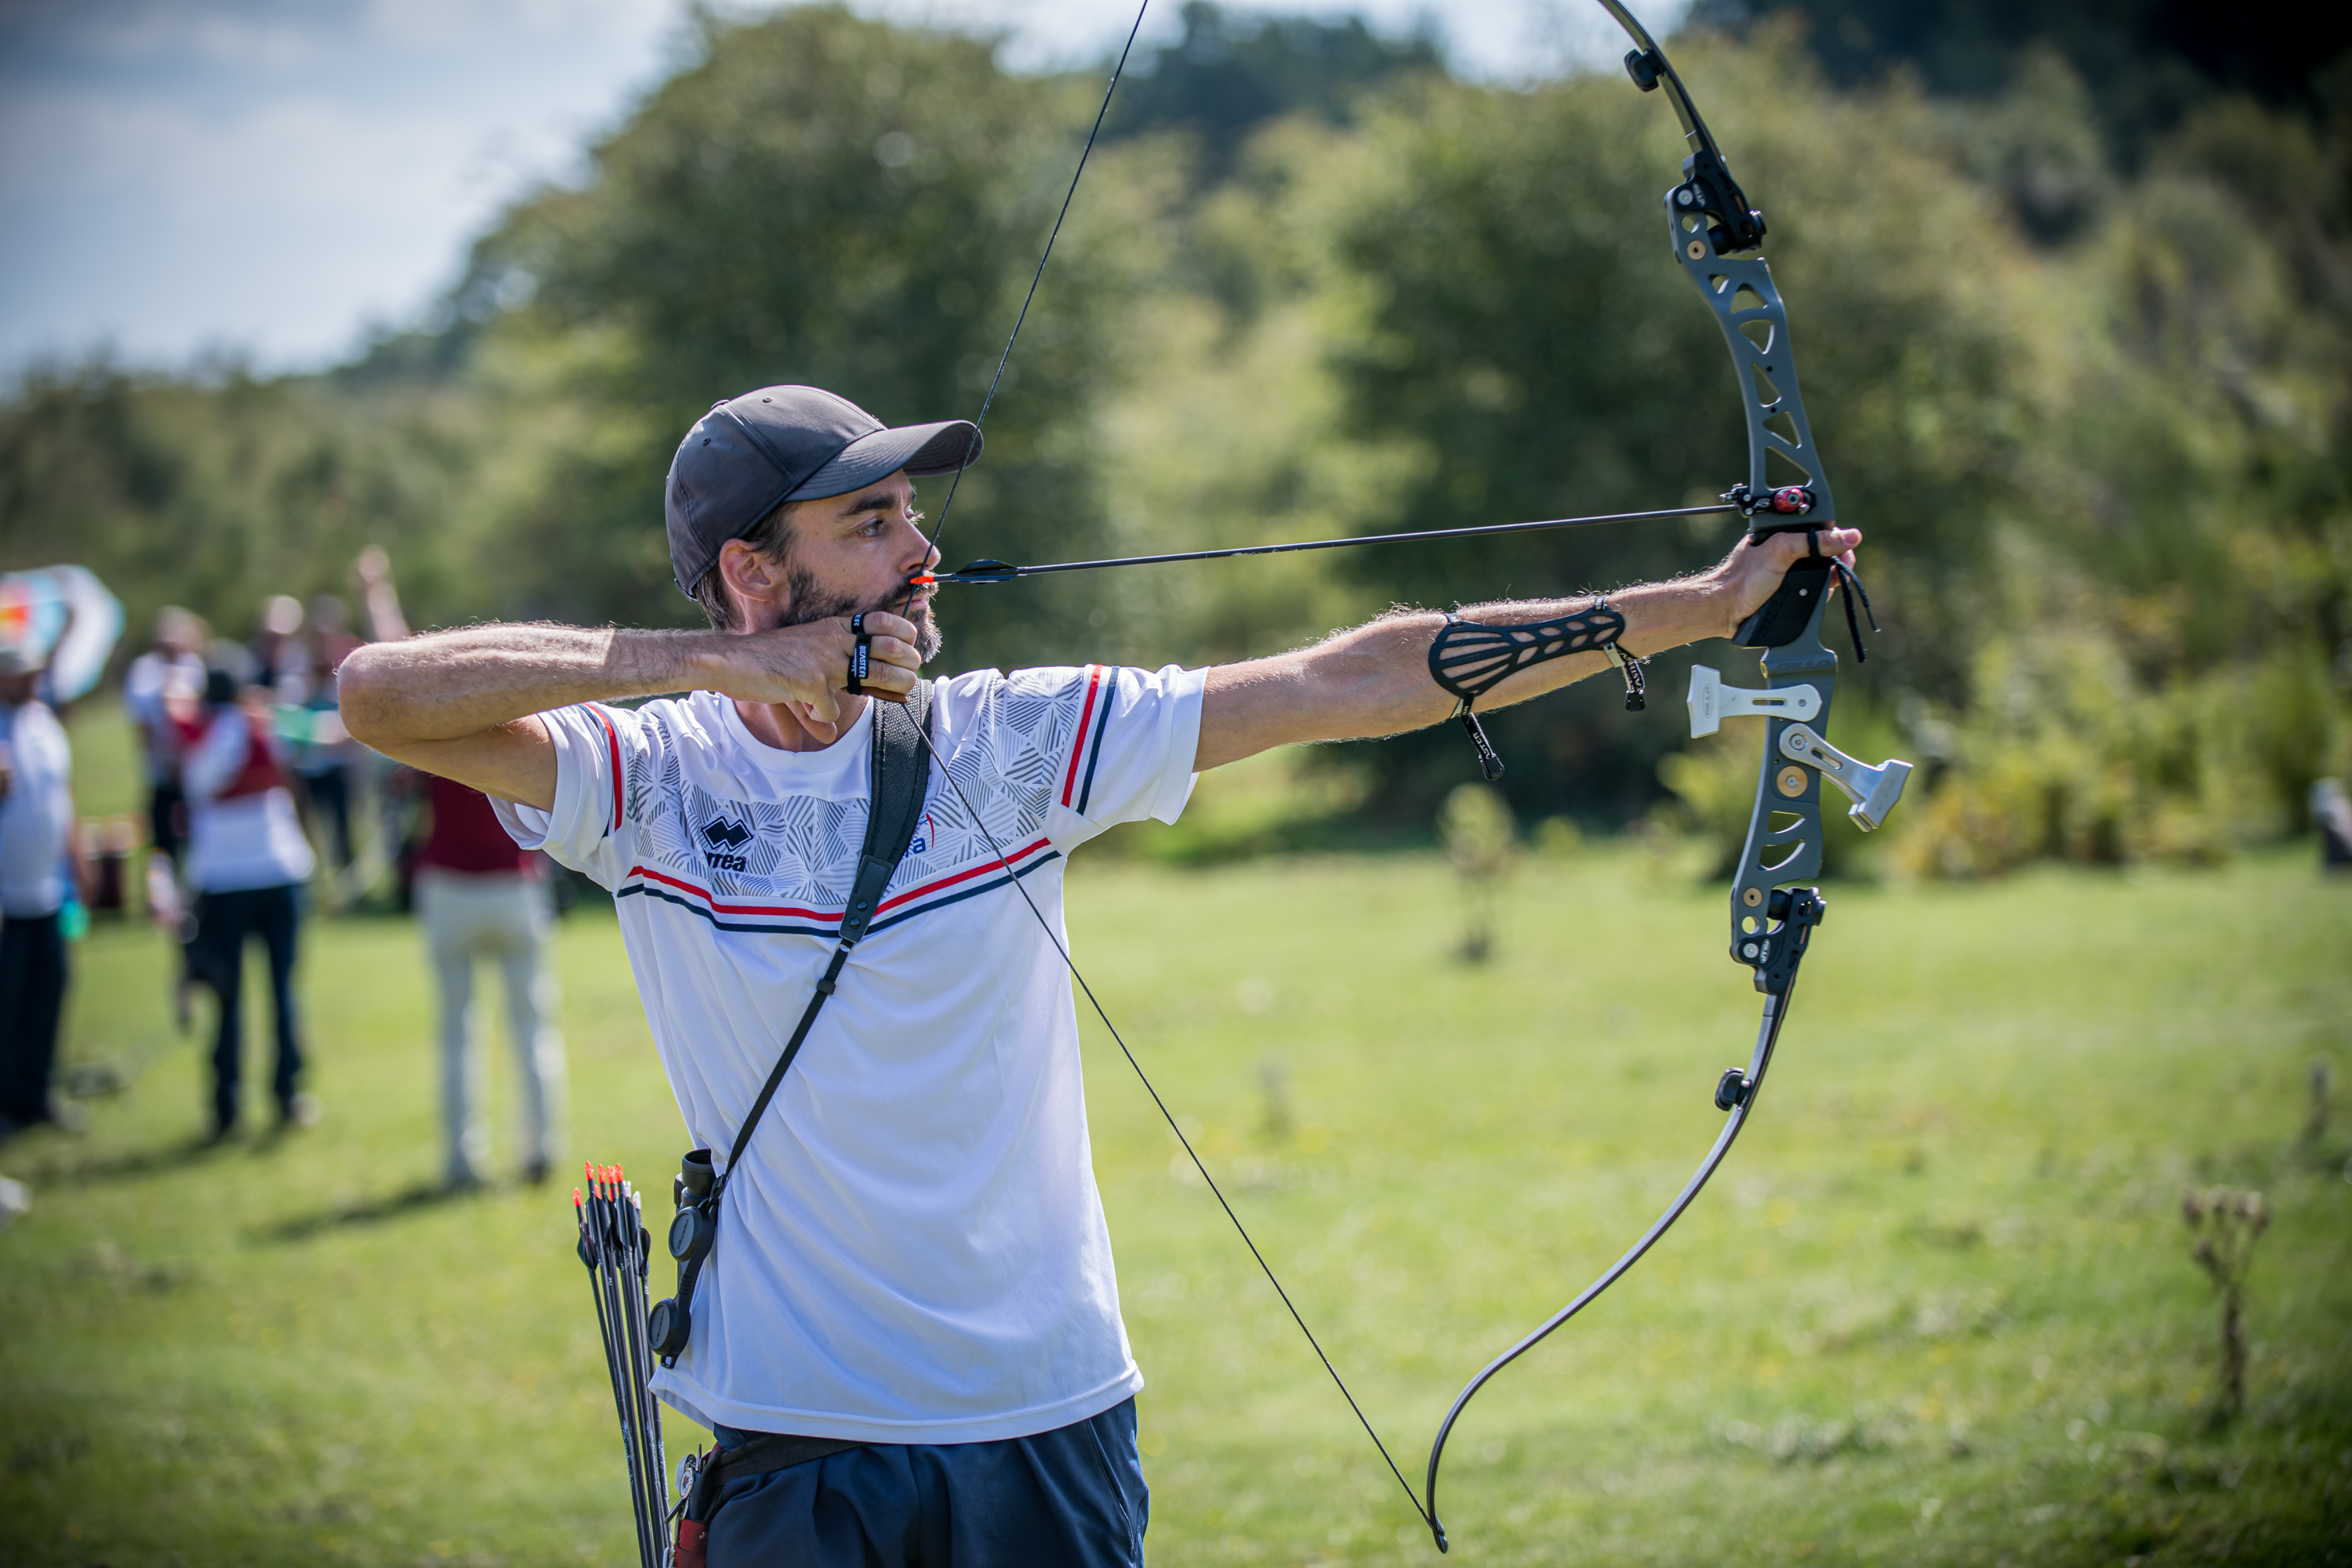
(505, 916)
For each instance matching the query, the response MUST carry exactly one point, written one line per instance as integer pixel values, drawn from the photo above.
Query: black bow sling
(899, 770)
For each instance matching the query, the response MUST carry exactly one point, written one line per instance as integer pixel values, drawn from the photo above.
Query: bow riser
(1789, 792)
(1747, 307)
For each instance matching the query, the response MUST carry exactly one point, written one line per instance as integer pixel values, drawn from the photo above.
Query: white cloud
(1507, 40)
(178, 178)
(274, 176)
(168, 232)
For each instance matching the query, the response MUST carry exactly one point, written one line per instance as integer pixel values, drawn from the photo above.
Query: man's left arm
(1375, 681)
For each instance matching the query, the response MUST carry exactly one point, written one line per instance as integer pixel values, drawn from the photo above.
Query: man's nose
(931, 554)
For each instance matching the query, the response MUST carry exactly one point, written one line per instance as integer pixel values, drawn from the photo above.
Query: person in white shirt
(37, 868)
(162, 691)
(912, 1308)
(247, 861)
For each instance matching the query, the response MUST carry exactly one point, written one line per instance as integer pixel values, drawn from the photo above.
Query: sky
(194, 183)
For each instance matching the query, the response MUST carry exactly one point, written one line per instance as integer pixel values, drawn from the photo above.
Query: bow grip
(1783, 617)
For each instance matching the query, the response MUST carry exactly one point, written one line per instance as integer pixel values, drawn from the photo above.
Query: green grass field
(1938, 1309)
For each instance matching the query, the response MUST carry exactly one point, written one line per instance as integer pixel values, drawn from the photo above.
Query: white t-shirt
(36, 817)
(914, 1251)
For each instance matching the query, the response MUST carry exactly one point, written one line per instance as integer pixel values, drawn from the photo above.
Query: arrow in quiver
(616, 1249)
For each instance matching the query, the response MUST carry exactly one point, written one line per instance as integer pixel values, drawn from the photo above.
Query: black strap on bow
(1848, 584)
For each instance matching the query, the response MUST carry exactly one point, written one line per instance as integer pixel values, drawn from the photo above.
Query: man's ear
(752, 579)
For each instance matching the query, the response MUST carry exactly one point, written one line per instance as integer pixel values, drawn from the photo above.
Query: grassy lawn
(1938, 1308)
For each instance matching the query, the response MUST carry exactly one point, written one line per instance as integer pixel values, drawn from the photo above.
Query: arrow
(983, 571)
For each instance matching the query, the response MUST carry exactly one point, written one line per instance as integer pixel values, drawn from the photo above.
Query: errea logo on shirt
(720, 835)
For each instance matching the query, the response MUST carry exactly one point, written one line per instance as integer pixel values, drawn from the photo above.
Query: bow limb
(1650, 68)
(1768, 1036)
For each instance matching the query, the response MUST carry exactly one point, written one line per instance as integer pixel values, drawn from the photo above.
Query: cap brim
(920, 449)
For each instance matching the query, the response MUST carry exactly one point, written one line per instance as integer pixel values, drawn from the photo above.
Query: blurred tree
(2148, 62)
(1475, 825)
(819, 200)
(1527, 335)
(1232, 72)
(2096, 418)
(214, 495)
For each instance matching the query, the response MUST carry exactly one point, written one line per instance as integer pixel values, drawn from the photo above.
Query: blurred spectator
(479, 896)
(2332, 809)
(282, 660)
(164, 691)
(326, 756)
(246, 862)
(38, 862)
(331, 640)
(373, 573)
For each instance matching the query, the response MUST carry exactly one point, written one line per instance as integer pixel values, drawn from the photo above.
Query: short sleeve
(597, 751)
(1137, 734)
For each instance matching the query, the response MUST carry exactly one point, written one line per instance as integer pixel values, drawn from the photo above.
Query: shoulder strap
(901, 769)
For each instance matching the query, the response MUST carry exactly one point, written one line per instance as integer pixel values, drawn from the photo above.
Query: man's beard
(810, 602)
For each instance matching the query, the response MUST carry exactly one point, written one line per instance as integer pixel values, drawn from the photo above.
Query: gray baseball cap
(750, 454)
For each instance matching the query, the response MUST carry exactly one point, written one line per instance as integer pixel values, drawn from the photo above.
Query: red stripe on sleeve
(1078, 746)
(612, 744)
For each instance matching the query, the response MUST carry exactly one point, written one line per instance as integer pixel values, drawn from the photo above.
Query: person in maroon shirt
(479, 896)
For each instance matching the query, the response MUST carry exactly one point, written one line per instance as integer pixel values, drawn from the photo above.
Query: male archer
(908, 1335)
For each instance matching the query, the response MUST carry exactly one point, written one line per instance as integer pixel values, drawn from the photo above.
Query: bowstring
(1169, 1117)
(997, 849)
(1035, 278)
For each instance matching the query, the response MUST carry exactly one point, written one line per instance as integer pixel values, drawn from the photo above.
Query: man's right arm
(463, 704)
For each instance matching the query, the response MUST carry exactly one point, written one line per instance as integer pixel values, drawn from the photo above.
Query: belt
(760, 1453)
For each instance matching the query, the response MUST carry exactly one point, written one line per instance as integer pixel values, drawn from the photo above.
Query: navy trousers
(224, 921)
(1071, 1497)
(32, 998)
(331, 799)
